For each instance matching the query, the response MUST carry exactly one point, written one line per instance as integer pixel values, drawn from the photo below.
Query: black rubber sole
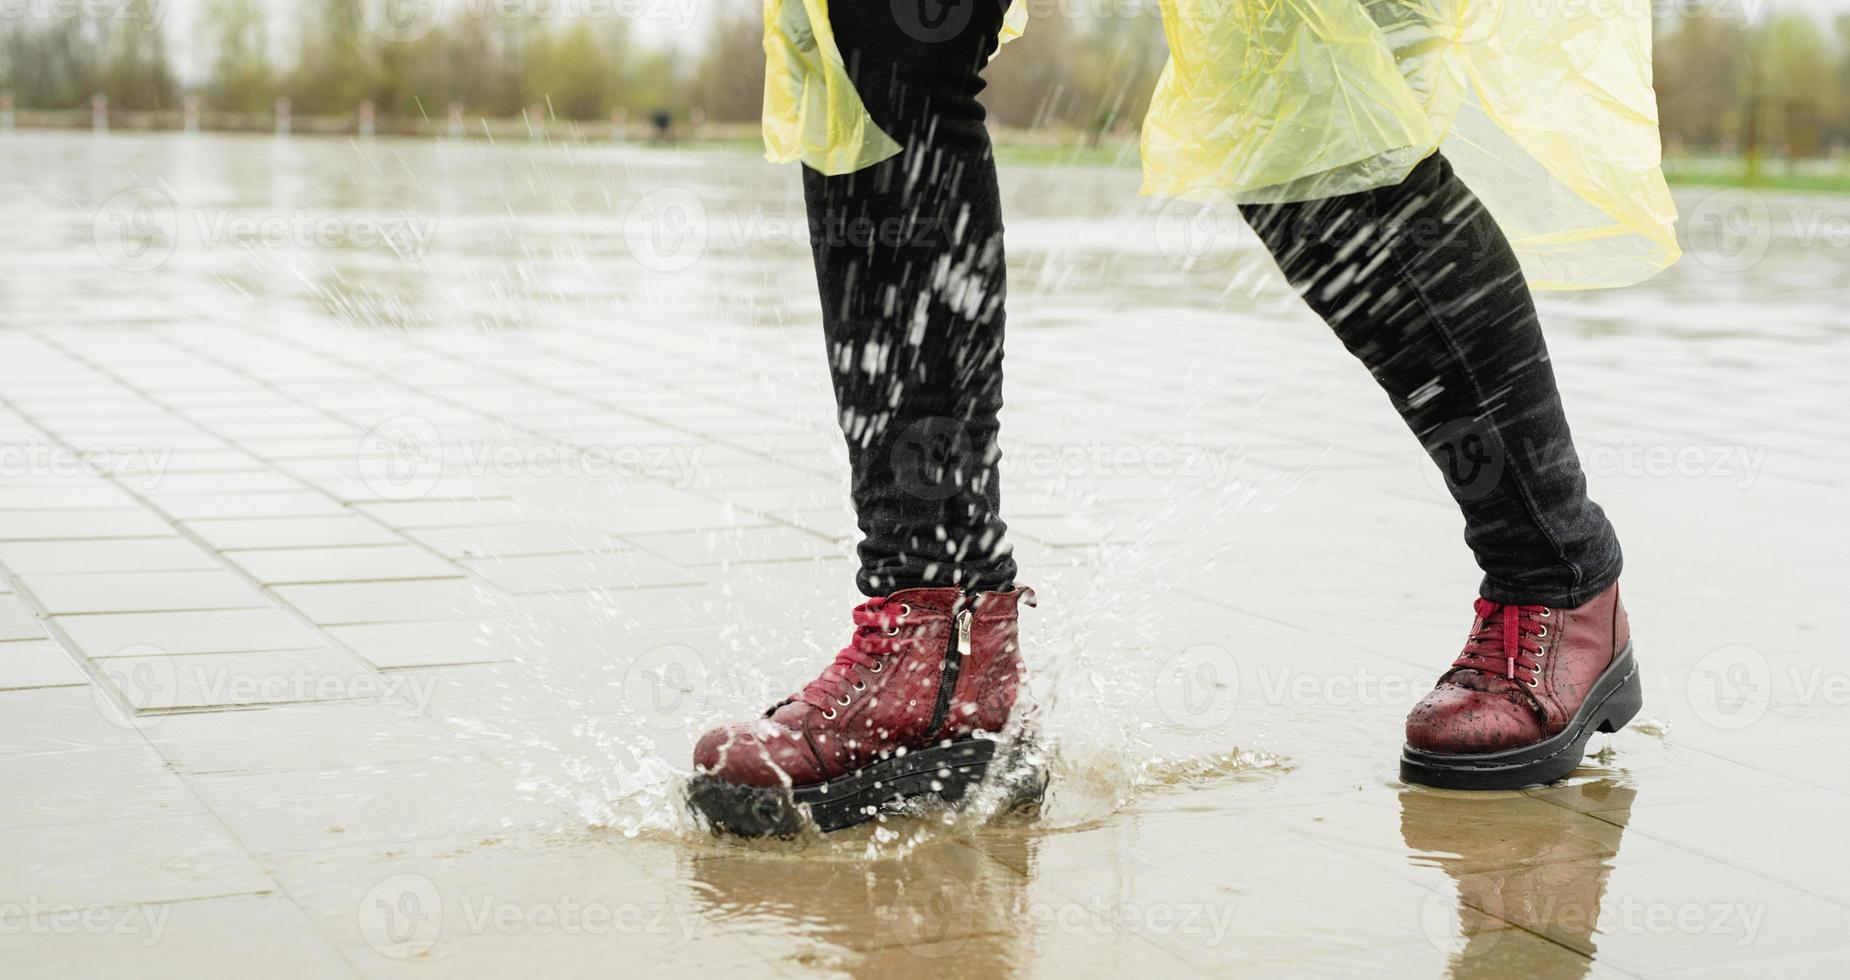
(1616, 698)
(941, 775)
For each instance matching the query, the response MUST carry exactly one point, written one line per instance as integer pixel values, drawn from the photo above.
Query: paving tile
(374, 563)
(60, 719)
(576, 573)
(510, 540)
(172, 554)
(448, 513)
(129, 592)
(99, 494)
(28, 663)
(160, 683)
(223, 631)
(127, 861)
(292, 532)
(428, 644)
(377, 804)
(113, 783)
(17, 621)
(312, 737)
(60, 525)
(528, 886)
(244, 936)
(349, 604)
(204, 506)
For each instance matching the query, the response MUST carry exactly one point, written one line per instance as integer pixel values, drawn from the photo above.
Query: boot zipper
(955, 651)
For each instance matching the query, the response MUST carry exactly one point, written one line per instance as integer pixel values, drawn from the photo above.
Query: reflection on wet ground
(381, 521)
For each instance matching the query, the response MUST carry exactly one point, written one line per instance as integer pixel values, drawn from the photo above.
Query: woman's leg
(1420, 284)
(909, 261)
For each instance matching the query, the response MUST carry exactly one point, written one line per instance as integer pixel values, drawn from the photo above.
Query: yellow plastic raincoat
(1544, 107)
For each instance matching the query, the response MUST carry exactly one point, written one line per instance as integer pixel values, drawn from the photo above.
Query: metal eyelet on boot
(1545, 613)
(879, 665)
(828, 713)
(843, 700)
(1544, 632)
(1534, 682)
(860, 686)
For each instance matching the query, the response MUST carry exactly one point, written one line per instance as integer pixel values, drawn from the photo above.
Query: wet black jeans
(1416, 279)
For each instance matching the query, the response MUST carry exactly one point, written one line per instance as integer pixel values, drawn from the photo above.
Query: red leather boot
(909, 710)
(1519, 705)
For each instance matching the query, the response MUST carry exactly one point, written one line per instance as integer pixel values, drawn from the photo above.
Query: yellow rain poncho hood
(1544, 107)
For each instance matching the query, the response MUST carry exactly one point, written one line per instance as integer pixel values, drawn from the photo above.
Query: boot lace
(1507, 641)
(877, 633)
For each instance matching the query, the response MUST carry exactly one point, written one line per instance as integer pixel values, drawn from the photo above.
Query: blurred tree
(728, 77)
(135, 72)
(241, 80)
(1700, 71)
(52, 66)
(573, 71)
(336, 66)
(1791, 57)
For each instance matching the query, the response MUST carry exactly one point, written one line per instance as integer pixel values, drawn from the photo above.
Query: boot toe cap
(1456, 720)
(754, 754)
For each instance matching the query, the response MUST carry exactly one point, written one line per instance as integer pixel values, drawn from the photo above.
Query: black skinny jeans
(1416, 279)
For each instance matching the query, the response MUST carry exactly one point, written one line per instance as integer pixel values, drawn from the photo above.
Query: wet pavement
(382, 521)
